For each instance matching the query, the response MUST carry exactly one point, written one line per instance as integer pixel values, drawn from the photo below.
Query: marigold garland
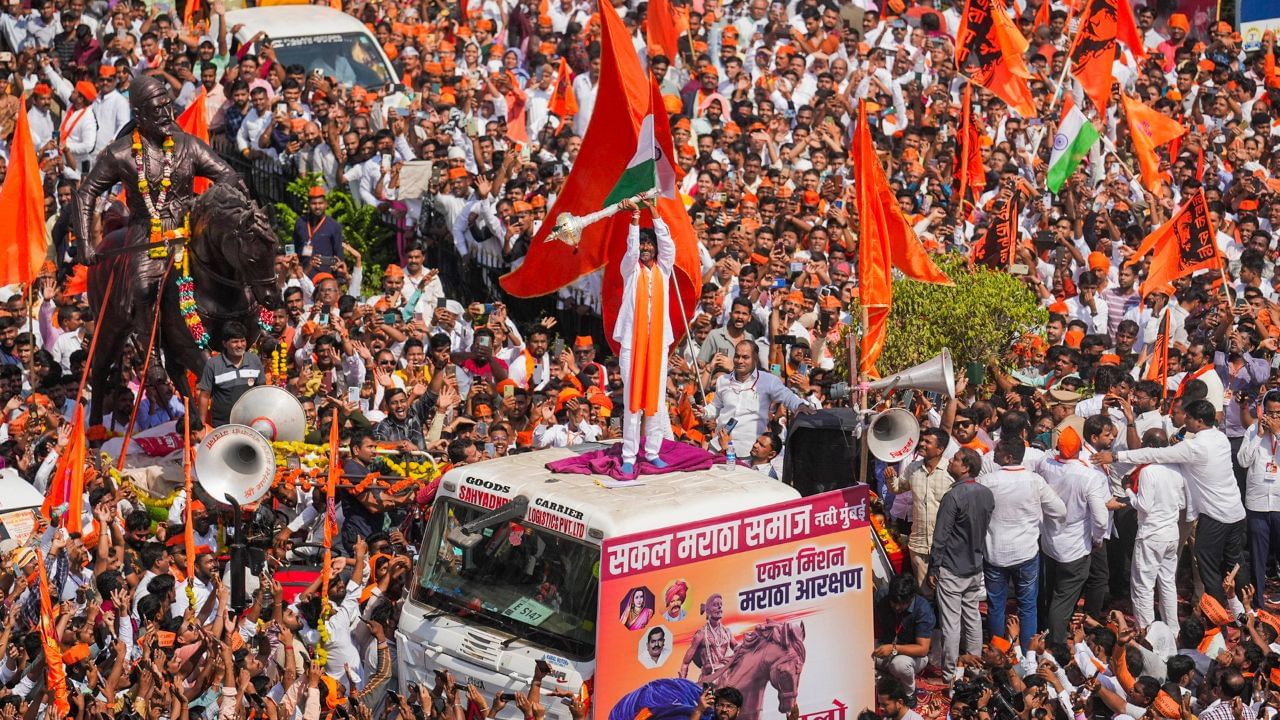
(280, 363)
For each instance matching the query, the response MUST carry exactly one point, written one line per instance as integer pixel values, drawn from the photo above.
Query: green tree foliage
(977, 319)
(362, 227)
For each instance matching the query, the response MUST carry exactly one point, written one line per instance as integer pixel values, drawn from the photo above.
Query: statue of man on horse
(228, 242)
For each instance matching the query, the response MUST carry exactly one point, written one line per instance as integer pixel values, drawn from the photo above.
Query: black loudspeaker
(821, 451)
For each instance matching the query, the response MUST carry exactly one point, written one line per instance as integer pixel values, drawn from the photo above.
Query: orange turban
(1069, 444)
(1098, 261)
(1074, 337)
(393, 270)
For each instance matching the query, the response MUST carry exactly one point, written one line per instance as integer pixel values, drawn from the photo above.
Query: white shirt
(1152, 419)
(585, 92)
(1084, 491)
(112, 112)
(1259, 453)
(748, 401)
(251, 130)
(1159, 500)
(1205, 462)
(1023, 499)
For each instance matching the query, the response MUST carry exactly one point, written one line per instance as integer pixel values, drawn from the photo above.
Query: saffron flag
(196, 122)
(1095, 50)
(994, 248)
(875, 278)
(55, 671)
(1076, 134)
(1158, 365)
(624, 99)
(67, 487)
(887, 241)
(661, 34)
(563, 102)
(22, 210)
(990, 50)
(1182, 245)
(972, 173)
(1149, 129)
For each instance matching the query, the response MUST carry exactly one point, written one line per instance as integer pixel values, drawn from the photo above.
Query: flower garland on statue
(187, 302)
(154, 207)
(265, 316)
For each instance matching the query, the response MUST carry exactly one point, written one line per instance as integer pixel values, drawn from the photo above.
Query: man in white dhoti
(643, 331)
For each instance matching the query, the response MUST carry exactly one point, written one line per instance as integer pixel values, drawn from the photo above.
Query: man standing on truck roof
(643, 331)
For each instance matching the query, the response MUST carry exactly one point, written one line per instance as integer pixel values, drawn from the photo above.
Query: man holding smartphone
(316, 235)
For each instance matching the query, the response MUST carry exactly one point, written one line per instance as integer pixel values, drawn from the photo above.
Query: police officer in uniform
(227, 376)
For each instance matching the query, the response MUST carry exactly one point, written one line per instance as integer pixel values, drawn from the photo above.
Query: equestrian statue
(219, 245)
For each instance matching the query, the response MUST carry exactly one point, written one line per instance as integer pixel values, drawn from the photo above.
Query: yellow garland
(322, 648)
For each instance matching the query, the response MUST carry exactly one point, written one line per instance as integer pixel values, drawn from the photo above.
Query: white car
(319, 37)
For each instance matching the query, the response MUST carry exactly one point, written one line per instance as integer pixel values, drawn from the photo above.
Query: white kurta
(659, 425)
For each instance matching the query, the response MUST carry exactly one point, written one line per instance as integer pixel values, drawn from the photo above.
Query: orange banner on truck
(775, 602)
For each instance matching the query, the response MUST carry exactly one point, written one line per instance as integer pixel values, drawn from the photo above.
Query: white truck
(509, 569)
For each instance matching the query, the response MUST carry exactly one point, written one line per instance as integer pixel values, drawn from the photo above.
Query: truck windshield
(351, 58)
(523, 580)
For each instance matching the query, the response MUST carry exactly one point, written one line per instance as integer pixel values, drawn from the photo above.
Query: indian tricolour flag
(1076, 134)
(648, 168)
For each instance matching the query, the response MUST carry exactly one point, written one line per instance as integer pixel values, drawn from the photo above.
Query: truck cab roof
(581, 507)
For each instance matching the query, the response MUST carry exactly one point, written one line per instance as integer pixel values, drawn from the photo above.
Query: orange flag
(55, 671)
(1182, 245)
(995, 248)
(1149, 129)
(875, 278)
(1158, 368)
(990, 50)
(189, 15)
(661, 34)
(563, 102)
(22, 209)
(331, 511)
(1043, 14)
(195, 121)
(1094, 50)
(972, 175)
(887, 241)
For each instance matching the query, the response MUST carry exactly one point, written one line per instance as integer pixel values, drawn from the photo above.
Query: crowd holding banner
(1087, 530)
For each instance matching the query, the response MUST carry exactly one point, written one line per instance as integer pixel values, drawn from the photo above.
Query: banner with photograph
(775, 602)
(1255, 18)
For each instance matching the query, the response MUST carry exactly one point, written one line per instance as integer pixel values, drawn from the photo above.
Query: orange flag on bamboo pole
(67, 487)
(563, 102)
(331, 511)
(55, 671)
(1149, 129)
(1182, 245)
(661, 34)
(188, 530)
(196, 122)
(990, 50)
(26, 240)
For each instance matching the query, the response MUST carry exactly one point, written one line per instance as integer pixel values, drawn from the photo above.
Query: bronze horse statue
(769, 654)
(232, 260)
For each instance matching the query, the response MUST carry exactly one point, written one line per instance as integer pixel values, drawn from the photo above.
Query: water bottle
(730, 457)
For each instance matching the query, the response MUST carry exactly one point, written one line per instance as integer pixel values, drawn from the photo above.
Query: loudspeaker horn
(235, 461)
(273, 412)
(893, 434)
(936, 375)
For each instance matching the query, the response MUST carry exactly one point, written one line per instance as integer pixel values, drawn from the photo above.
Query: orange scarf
(1209, 635)
(647, 343)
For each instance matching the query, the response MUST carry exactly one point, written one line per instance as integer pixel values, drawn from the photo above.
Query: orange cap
(1074, 337)
(1069, 443)
(1179, 20)
(1000, 644)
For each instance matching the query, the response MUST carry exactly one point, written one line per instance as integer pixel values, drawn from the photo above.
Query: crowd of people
(1129, 521)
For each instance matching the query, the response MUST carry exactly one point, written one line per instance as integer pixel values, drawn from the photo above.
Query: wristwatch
(894, 653)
